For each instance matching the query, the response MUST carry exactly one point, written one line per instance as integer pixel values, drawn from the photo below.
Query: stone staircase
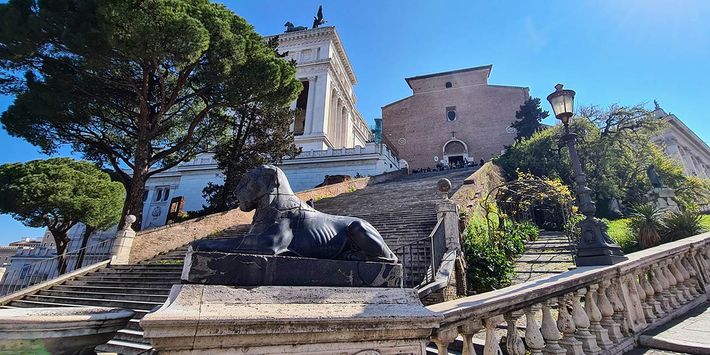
(549, 255)
(403, 210)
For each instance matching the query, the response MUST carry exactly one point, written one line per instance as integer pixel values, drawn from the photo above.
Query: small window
(451, 113)
(166, 194)
(448, 84)
(159, 195)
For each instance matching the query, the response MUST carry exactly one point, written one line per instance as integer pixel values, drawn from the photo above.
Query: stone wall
(419, 126)
(478, 185)
(151, 242)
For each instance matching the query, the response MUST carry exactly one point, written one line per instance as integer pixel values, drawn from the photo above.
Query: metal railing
(421, 259)
(27, 275)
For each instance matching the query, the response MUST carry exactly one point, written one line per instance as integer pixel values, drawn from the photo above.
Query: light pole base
(595, 246)
(598, 257)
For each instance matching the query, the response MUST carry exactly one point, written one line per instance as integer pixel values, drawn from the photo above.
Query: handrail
(423, 248)
(620, 302)
(47, 268)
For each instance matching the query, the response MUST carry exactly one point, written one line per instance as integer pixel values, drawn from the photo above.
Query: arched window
(448, 84)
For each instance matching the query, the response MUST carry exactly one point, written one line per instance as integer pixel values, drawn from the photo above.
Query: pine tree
(528, 118)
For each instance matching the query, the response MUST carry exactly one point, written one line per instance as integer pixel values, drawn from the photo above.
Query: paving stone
(690, 334)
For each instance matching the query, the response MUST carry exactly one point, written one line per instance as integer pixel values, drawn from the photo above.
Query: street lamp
(595, 247)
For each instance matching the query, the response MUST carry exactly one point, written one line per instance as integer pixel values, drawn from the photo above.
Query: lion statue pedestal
(235, 269)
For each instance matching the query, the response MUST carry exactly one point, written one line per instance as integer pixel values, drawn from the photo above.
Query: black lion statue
(285, 225)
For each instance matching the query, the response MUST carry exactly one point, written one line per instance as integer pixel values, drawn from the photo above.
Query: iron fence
(421, 259)
(19, 278)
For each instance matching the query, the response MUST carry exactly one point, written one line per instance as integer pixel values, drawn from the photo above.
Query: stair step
(130, 335)
(143, 305)
(106, 289)
(124, 348)
(102, 295)
(118, 283)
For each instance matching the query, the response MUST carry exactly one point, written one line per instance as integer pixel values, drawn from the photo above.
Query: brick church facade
(452, 117)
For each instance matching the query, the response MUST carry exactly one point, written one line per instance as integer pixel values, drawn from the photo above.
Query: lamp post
(595, 247)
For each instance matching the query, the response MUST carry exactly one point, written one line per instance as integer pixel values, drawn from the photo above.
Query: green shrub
(679, 225)
(489, 268)
(490, 248)
(646, 224)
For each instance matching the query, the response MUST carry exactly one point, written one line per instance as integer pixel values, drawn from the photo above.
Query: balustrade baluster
(672, 290)
(549, 330)
(582, 323)
(662, 296)
(645, 296)
(619, 316)
(492, 346)
(678, 277)
(565, 323)
(513, 342)
(468, 330)
(443, 337)
(595, 317)
(687, 285)
(533, 336)
(693, 278)
(607, 310)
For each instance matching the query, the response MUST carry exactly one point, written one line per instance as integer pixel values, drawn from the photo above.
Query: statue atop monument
(318, 18)
(291, 28)
(653, 176)
(285, 225)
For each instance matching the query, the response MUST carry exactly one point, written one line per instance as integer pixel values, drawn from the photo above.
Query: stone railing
(589, 310)
(599, 309)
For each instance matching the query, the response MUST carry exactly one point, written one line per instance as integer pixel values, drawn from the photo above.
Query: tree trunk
(82, 251)
(134, 192)
(62, 241)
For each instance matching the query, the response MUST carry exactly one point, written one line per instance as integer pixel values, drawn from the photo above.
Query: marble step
(130, 304)
(109, 289)
(107, 296)
(125, 284)
(124, 348)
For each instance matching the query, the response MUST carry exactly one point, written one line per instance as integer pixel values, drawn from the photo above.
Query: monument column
(310, 107)
(320, 106)
(348, 129)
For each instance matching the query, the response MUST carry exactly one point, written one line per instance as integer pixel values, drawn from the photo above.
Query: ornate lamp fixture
(595, 247)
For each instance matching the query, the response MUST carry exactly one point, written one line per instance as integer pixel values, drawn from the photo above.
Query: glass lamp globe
(562, 102)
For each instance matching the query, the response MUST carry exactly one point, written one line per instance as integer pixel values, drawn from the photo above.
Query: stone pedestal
(290, 320)
(234, 269)
(663, 198)
(121, 250)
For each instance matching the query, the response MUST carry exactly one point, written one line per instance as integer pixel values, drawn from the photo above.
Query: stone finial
(444, 186)
(130, 219)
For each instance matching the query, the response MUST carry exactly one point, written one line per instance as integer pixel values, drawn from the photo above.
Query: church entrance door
(456, 160)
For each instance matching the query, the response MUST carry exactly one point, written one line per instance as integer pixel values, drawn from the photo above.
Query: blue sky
(625, 52)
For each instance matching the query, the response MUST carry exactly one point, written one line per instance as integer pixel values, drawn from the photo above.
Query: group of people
(440, 166)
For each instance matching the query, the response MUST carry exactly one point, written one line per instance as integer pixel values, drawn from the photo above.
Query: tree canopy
(137, 86)
(58, 193)
(616, 146)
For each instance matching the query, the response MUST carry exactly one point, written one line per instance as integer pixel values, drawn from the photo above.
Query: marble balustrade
(588, 310)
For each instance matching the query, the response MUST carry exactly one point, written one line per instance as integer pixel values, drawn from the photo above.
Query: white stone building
(683, 145)
(331, 132)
